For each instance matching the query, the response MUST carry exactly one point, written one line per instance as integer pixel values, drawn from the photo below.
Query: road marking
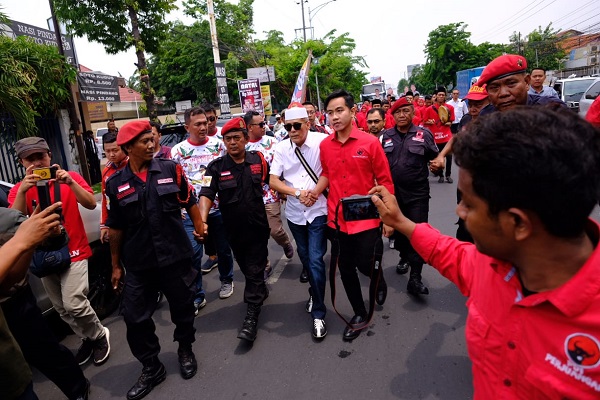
(281, 264)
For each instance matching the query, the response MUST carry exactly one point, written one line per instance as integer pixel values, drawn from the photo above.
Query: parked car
(101, 295)
(588, 97)
(570, 90)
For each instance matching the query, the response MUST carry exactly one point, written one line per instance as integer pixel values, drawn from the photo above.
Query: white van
(570, 90)
(588, 98)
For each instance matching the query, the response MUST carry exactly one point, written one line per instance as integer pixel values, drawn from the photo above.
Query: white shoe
(319, 328)
(226, 290)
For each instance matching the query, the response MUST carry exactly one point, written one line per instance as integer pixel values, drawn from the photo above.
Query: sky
(389, 34)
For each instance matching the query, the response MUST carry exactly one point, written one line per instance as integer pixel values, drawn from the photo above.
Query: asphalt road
(413, 349)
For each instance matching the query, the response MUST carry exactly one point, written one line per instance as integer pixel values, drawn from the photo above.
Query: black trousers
(355, 253)
(251, 251)
(448, 161)
(417, 211)
(39, 345)
(177, 282)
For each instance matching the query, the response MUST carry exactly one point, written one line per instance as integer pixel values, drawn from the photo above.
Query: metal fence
(48, 128)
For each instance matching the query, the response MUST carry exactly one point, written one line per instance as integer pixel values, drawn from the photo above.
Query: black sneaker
(102, 348)
(86, 392)
(309, 304)
(84, 353)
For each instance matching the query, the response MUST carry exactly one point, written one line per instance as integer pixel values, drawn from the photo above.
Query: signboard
(181, 106)
(263, 74)
(222, 93)
(41, 36)
(98, 87)
(265, 91)
(250, 95)
(97, 111)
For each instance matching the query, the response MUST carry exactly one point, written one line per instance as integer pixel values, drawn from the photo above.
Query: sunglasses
(260, 124)
(212, 119)
(295, 125)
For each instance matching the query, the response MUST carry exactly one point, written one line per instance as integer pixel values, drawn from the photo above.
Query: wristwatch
(297, 194)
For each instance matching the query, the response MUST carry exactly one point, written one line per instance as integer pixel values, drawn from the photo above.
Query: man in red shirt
(67, 290)
(117, 159)
(352, 160)
(533, 275)
(440, 129)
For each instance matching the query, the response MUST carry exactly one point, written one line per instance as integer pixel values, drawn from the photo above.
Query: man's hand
(388, 231)
(38, 227)
(200, 236)
(29, 181)
(306, 199)
(117, 278)
(104, 235)
(62, 176)
(437, 164)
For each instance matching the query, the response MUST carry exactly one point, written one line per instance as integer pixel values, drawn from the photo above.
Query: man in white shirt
(259, 141)
(307, 219)
(460, 109)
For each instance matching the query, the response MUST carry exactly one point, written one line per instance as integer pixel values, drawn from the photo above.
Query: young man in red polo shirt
(352, 160)
(441, 130)
(533, 275)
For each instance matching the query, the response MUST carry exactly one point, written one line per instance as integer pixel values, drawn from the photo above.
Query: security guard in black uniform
(409, 148)
(238, 179)
(147, 237)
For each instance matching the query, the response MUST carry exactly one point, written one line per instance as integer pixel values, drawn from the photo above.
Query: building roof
(572, 39)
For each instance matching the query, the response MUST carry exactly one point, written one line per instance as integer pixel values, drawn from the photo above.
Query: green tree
(540, 48)
(33, 81)
(120, 25)
(183, 66)
(449, 50)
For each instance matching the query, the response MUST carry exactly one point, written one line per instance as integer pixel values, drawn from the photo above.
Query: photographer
(15, 254)
(533, 275)
(67, 290)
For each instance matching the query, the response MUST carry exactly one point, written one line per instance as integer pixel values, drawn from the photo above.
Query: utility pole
(303, 21)
(74, 117)
(222, 93)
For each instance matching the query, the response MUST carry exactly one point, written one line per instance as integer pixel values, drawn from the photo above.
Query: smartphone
(43, 194)
(45, 173)
(358, 208)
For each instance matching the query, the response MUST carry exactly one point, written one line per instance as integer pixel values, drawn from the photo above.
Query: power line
(574, 11)
(503, 25)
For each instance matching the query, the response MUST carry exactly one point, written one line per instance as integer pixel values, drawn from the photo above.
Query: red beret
(477, 93)
(131, 130)
(236, 124)
(503, 66)
(401, 102)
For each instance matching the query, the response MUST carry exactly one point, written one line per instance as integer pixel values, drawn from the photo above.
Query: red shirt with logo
(542, 346)
(441, 132)
(78, 243)
(353, 168)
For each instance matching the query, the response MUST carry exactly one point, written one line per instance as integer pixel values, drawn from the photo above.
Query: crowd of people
(526, 253)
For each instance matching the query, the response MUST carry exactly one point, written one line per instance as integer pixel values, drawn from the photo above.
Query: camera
(45, 173)
(358, 208)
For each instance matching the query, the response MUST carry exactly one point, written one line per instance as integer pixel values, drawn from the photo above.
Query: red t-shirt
(542, 346)
(353, 167)
(107, 172)
(78, 243)
(390, 122)
(441, 132)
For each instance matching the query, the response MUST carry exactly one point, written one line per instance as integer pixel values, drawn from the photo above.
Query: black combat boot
(248, 331)
(153, 373)
(187, 361)
(415, 286)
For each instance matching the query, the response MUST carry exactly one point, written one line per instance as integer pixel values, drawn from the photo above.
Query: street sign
(222, 93)
(40, 36)
(263, 74)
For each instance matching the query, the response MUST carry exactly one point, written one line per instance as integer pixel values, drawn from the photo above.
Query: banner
(222, 93)
(98, 87)
(265, 91)
(250, 96)
(299, 94)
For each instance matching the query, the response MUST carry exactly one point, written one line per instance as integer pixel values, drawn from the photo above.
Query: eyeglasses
(261, 124)
(235, 138)
(212, 118)
(296, 125)
(373, 121)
